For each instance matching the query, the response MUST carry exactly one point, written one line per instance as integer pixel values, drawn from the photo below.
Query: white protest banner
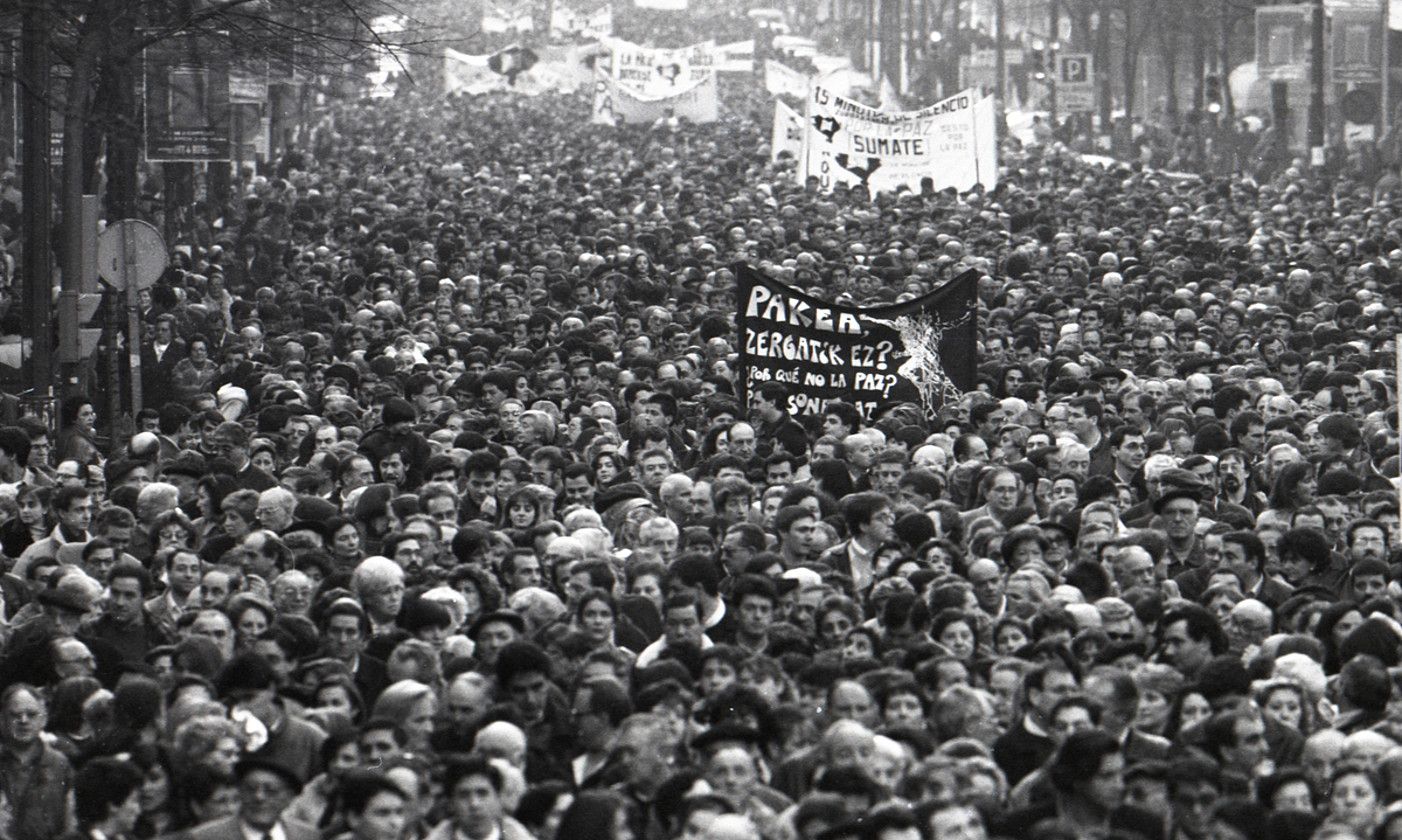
(497, 20)
(782, 80)
(615, 103)
(662, 5)
(846, 142)
(653, 71)
(787, 135)
(567, 21)
(516, 69)
(738, 57)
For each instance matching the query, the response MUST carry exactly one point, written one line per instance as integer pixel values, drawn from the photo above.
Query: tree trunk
(1199, 55)
(76, 116)
(1129, 65)
(1224, 50)
(1168, 42)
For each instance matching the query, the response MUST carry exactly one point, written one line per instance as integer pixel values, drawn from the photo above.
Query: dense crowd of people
(444, 519)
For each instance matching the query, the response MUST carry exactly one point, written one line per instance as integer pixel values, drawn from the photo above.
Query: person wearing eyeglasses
(35, 778)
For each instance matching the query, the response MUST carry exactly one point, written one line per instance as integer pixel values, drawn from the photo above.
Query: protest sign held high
(952, 142)
(567, 21)
(787, 133)
(654, 71)
(613, 103)
(921, 351)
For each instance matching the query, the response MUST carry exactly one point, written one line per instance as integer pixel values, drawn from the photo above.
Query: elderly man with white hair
(275, 509)
(378, 583)
(675, 494)
(660, 534)
(1248, 625)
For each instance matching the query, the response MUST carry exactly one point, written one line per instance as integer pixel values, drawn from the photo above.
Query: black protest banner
(922, 351)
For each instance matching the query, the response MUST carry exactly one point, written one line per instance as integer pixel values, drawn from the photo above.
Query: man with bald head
(1321, 752)
(503, 740)
(467, 700)
(1248, 625)
(846, 743)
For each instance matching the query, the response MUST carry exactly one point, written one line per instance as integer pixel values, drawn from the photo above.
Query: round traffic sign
(132, 253)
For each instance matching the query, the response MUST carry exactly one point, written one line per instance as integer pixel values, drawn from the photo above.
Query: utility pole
(1316, 116)
(1053, 44)
(38, 197)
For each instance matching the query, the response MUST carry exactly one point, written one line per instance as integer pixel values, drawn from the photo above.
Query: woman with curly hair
(207, 741)
(251, 616)
(524, 509)
(836, 615)
(479, 588)
(210, 492)
(172, 529)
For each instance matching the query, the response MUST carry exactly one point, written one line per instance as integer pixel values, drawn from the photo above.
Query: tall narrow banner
(568, 21)
(186, 92)
(615, 103)
(654, 72)
(782, 80)
(846, 142)
(787, 135)
(923, 351)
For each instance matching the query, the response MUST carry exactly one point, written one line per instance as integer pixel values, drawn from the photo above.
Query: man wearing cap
(184, 471)
(63, 607)
(493, 631)
(230, 442)
(265, 789)
(1177, 508)
(249, 683)
(397, 436)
